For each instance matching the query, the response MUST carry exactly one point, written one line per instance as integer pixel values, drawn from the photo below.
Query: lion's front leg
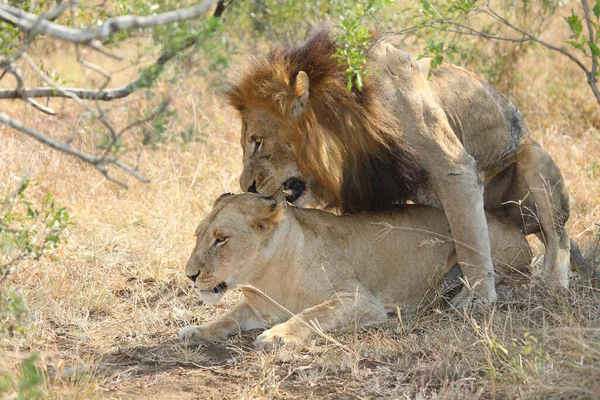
(452, 171)
(240, 318)
(461, 194)
(347, 311)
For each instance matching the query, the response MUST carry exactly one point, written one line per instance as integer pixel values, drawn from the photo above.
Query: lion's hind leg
(550, 202)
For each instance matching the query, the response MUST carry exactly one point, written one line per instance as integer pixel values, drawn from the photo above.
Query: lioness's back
(402, 254)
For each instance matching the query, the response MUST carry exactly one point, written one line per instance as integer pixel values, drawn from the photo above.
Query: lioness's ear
(269, 217)
(301, 94)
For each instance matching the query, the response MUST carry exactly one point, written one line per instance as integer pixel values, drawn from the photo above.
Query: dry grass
(107, 306)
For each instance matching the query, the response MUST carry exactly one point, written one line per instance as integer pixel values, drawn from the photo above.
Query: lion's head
(270, 166)
(228, 240)
(345, 141)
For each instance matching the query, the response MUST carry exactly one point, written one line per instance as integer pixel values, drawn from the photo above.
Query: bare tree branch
(592, 79)
(50, 15)
(474, 32)
(29, 22)
(34, 25)
(54, 85)
(98, 162)
(91, 94)
(447, 25)
(566, 52)
(96, 45)
(38, 106)
(11, 68)
(221, 7)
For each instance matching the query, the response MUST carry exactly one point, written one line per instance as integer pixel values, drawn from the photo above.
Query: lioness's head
(228, 243)
(270, 166)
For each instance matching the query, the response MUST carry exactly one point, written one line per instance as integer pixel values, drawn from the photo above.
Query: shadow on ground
(170, 370)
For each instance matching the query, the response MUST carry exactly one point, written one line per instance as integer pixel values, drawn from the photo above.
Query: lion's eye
(219, 241)
(257, 143)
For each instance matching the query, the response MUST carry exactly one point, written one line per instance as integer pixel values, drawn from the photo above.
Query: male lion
(279, 164)
(437, 136)
(321, 269)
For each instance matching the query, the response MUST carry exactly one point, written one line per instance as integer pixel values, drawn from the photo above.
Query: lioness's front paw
(191, 335)
(275, 337)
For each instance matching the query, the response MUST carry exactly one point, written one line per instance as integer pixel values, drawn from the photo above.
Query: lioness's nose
(193, 277)
(252, 188)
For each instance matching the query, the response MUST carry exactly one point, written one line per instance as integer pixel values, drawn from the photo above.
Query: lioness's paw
(275, 337)
(191, 335)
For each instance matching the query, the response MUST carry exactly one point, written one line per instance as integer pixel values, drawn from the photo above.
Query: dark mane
(346, 140)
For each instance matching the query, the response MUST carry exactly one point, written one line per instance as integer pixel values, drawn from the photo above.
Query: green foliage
(193, 134)
(291, 21)
(352, 45)
(208, 37)
(577, 40)
(13, 313)
(26, 230)
(27, 384)
(114, 146)
(9, 38)
(156, 131)
(458, 30)
(353, 40)
(464, 32)
(586, 42)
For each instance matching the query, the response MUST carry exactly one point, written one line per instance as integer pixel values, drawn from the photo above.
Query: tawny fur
(463, 145)
(345, 139)
(338, 271)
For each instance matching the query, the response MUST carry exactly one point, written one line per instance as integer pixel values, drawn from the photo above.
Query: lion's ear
(269, 217)
(300, 101)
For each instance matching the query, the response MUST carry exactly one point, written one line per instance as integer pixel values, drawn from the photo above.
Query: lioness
(437, 136)
(312, 267)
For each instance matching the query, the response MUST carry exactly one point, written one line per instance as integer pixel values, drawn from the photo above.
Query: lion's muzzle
(293, 189)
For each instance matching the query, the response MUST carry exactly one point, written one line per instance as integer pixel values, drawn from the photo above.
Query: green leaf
(596, 9)
(577, 45)
(359, 82)
(595, 49)
(574, 24)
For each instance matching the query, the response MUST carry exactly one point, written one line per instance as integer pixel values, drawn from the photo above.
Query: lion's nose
(252, 188)
(193, 277)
